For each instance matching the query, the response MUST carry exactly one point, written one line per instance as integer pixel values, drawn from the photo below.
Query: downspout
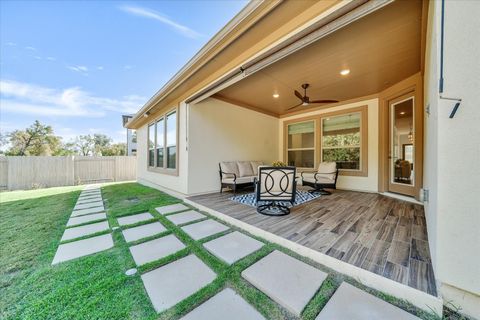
(440, 89)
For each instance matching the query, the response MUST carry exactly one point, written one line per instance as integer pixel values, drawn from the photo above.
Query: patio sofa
(238, 174)
(325, 177)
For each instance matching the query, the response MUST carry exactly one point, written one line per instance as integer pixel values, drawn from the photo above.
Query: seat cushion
(229, 167)
(255, 165)
(320, 180)
(239, 180)
(245, 168)
(327, 170)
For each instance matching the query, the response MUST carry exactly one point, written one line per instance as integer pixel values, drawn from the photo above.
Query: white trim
(416, 297)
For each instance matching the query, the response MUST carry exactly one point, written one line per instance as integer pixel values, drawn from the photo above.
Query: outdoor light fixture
(276, 95)
(146, 114)
(344, 72)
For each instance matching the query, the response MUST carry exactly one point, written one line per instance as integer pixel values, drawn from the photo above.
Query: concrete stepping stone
(172, 283)
(204, 229)
(80, 206)
(224, 305)
(351, 303)
(172, 208)
(143, 231)
(84, 219)
(76, 249)
(135, 218)
(185, 217)
(81, 212)
(155, 249)
(233, 246)
(83, 231)
(286, 280)
(89, 193)
(83, 200)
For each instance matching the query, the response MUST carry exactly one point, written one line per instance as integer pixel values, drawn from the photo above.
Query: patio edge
(416, 297)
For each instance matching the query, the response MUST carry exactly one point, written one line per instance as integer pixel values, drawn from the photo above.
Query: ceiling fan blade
(324, 101)
(298, 105)
(299, 95)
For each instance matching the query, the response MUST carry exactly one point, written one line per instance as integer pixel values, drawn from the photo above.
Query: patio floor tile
(82, 212)
(204, 229)
(80, 206)
(288, 281)
(84, 219)
(184, 217)
(233, 246)
(155, 249)
(172, 208)
(350, 303)
(86, 230)
(170, 284)
(126, 220)
(76, 249)
(224, 305)
(143, 231)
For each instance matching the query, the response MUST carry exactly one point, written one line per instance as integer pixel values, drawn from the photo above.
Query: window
(151, 145)
(162, 143)
(339, 136)
(341, 140)
(172, 140)
(301, 144)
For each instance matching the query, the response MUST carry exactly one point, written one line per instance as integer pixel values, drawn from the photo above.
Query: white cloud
(100, 68)
(51, 58)
(38, 57)
(11, 44)
(31, 48)
(25, 98)
(80, 69)
(151, 14)
(127, 67)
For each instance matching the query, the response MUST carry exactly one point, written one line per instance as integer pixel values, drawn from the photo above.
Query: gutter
(441, 80)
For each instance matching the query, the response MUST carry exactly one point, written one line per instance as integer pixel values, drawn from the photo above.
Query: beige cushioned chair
(325, 177)
(238, 174)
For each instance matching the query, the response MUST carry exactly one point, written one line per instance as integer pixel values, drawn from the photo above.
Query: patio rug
(301, 197)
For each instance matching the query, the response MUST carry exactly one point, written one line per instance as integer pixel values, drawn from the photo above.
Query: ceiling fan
(306, 99)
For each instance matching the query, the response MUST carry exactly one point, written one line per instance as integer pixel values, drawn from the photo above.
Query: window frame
(164, 169)
(318, 118)
(315, 141)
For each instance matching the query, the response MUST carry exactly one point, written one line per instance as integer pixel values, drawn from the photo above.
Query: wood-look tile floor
(377, 233)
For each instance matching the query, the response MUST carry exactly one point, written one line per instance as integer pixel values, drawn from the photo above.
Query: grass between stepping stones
(95, 287)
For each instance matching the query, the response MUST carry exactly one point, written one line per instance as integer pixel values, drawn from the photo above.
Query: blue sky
(80, 65)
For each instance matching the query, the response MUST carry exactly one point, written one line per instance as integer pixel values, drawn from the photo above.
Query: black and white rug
(301, 197)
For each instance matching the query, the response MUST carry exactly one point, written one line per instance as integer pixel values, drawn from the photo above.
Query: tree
(84, 145)
(116, 149)
(36, 140)
(3, 142)
(101, 142)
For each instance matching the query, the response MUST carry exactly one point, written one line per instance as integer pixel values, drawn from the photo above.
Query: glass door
(402, 145)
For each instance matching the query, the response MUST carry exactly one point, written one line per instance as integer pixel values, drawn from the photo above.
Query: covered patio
(381, 234)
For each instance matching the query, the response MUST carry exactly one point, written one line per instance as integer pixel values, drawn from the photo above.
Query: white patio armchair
(325, 177)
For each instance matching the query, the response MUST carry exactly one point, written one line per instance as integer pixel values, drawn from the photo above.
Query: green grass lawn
(95, 287)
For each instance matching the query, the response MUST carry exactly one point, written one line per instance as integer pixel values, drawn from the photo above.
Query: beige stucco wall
(219, 131)
(369, 183)
(451, 166)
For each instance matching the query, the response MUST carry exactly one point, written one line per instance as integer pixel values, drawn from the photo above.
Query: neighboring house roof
(256, 30)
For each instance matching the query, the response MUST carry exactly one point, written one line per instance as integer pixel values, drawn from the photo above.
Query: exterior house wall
(368, 183)
(173, 184)
(452, 174)
(220, 131)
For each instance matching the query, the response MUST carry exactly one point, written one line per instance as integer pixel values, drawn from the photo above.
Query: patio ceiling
(380, 50)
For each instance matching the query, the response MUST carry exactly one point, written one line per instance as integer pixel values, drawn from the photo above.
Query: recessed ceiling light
(276, 95)
(344, 72)
(403, 112)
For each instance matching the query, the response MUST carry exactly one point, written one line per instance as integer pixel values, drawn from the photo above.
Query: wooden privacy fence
(41, 172)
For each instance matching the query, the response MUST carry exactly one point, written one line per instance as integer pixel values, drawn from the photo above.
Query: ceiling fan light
(276, 95)
(305, 103)
(344, 72)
